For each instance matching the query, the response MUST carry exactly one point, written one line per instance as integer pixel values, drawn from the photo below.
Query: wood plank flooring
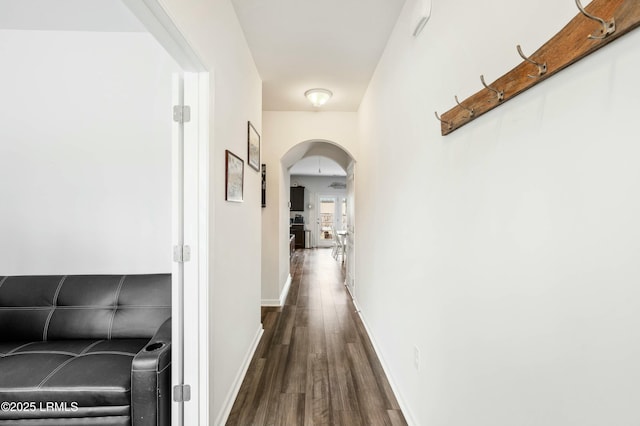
(315, 364)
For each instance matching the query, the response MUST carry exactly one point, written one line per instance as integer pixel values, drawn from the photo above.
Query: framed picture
(264, 185)
(253, 142)
(234, 177)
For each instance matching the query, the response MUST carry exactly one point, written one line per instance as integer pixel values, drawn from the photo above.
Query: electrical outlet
(416, 358)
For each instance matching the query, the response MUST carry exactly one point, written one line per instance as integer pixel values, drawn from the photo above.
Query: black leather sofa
(85, 350)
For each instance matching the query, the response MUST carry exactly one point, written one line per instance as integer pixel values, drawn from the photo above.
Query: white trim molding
(157, 20)
(270, 303)
(285, 290)
(351, 293)
(283, 296)
(233, 394)
(408, 415)
(205, 270)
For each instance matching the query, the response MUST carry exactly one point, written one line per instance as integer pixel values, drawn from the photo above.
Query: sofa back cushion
(83, 306)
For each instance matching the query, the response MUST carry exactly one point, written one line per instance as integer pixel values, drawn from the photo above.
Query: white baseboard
(285, 290)
(231, 397)
(352, 294)
(408, 415)
(283, 296)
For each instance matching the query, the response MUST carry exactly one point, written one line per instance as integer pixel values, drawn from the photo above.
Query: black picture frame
(234, 178)
(264, 185)
(253, 147)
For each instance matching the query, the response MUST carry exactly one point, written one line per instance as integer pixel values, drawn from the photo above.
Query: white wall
(283, 131)
(510, 250)
(85, 153)
(212, 29)
(314, 186)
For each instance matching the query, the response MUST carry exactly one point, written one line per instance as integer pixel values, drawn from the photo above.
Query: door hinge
(181, 254)
(181, 113)
(182, 393)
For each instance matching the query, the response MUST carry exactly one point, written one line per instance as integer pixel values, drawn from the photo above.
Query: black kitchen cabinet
(297, 199)
(298, 232)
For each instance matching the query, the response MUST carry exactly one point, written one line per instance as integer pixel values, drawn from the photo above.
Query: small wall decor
(253, 147)
(234, 177)
(264, 185)
(595, 26)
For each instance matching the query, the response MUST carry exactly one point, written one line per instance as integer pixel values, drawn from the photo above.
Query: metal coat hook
(607, 27)
(442, 121)
(542, 68)
(499, 93)
(471, 111)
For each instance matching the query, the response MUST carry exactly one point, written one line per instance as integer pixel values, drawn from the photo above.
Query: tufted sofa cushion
(91, 373)
(83, 306)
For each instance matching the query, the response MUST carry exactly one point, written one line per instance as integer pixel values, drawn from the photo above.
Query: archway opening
(318, 196)
(318, 178)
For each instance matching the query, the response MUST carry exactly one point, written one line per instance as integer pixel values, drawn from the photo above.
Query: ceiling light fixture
(318, 97)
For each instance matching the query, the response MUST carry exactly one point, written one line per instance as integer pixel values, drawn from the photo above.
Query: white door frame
(191, 325)
(190, 207)
(350, 276)
(177, 240)
(337, 199)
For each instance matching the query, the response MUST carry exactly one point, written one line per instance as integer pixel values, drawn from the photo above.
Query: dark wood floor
(315, 364)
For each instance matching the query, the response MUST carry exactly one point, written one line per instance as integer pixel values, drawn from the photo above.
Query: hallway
(315, 364)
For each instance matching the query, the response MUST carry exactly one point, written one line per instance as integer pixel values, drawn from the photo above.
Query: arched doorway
(276, 223)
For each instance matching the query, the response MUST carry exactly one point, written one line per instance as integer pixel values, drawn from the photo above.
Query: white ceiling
(309, 166)
(297, 44)
(302, 44)
(68, 15)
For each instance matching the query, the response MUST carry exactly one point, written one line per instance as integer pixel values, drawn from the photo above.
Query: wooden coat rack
(599, 24)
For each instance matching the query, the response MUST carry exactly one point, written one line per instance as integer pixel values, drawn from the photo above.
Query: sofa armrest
(156, 354)
(151, 381)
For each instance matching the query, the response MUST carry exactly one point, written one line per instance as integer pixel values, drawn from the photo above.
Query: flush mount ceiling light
(318, 97)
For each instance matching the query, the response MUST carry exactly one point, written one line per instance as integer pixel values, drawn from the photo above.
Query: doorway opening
(318, 176)
(329, 221)
(317, 193)
(122, 183)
